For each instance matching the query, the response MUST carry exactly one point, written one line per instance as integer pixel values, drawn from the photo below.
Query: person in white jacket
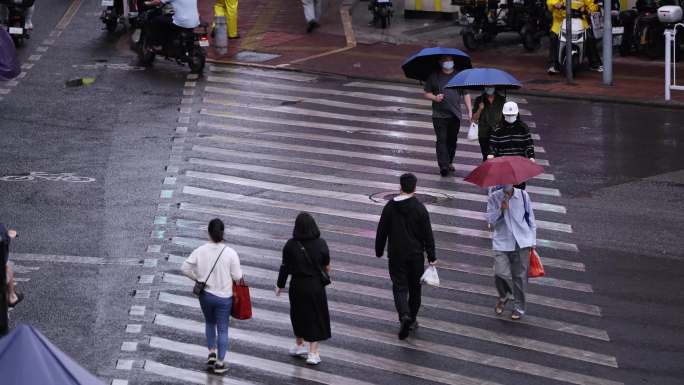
(218, 265)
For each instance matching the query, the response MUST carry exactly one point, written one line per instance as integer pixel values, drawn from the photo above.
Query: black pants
(405, 275)
(446, 130)
(162, 29)
(554, 40)
(592, 50)
(484, 147)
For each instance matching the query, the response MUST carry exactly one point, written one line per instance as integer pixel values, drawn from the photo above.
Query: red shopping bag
(536, 268)
(242, 303)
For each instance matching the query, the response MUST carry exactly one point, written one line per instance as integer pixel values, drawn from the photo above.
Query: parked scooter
(577, 40)
(643, 31)
(537, 25)
(16, 19)
(382, 12)
(186, 46)
(112, 12)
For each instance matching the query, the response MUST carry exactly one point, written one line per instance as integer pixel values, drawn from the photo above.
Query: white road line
(338, 127)
(416, 89)
(342, 153)
(317, 90)
(361, 198)
(364, 169)
(331, 194)
(471, 288)
(185, 375)
(256, 363)
(343, 140)
(202, 192)
(415, 344)
(264, 73)
(354, 358)
(73, 259)
(360, 182)
(239, 232)
(447, 246)
(442, 326)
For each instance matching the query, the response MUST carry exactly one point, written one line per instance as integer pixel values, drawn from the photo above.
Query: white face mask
(448, 65)
(510, 118)
(489, 90)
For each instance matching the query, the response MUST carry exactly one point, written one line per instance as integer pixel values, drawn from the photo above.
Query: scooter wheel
(197, 62)
(111, 25)
(469, 41)
(530, 42)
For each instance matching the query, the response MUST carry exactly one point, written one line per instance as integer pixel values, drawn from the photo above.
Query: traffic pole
(607, 43)
(4, 305)
(568, 41)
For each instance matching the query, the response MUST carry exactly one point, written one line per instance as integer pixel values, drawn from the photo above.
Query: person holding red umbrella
(510, 215)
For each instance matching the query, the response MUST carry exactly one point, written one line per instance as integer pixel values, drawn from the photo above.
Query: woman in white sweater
(217, 298)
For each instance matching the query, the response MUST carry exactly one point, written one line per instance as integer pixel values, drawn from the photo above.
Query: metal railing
(670, 61)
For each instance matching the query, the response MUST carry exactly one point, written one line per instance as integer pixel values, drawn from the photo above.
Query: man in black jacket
(406, 223)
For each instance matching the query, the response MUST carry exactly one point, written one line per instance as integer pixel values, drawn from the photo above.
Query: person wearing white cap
(511, 136)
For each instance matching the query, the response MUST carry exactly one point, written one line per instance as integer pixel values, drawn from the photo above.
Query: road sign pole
(4, 319)
(568, 41)
(607, 43)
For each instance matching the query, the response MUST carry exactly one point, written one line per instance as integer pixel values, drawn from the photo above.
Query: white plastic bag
(430, 276)
(472, 131)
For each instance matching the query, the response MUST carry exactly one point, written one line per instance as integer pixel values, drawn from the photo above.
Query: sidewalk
(273, 34)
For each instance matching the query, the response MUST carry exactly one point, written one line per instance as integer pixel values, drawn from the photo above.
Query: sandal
(500, 305)
(20, 297)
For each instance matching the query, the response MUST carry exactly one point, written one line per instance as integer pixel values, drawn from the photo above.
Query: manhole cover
(425, 197)
(254, 57)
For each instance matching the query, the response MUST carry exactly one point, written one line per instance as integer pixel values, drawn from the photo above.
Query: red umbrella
(504, 170)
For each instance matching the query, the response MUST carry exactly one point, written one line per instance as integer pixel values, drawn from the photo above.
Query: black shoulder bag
(325, 278)
(199, 285)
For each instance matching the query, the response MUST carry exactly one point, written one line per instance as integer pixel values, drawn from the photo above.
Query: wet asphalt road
(619, 169)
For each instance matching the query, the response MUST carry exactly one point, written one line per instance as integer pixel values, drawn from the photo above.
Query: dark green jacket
(491, 116)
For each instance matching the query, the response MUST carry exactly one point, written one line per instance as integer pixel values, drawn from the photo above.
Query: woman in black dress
(304, 255)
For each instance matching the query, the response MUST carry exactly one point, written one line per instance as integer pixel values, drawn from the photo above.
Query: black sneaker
(211, 360)
(220, 368)
(404, 329)
(444, 171)
(311, 26)
(414, 325)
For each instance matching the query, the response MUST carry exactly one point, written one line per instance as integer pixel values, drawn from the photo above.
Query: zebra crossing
(254, 147)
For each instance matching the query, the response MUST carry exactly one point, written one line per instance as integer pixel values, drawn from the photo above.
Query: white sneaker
(298, 350)
(28, 25)
(313, 359)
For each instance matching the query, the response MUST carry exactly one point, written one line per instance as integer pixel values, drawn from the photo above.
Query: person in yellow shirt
(229, 10)
(557, 8)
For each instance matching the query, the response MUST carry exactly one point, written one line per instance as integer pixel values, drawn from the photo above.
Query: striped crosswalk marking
(257, 146)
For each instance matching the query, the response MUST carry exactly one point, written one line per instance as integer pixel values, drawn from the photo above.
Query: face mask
(448, 65)
(508, 188)
(510, 118)
(489, 90)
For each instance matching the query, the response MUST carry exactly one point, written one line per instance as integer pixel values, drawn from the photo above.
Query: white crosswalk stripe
(257, 146)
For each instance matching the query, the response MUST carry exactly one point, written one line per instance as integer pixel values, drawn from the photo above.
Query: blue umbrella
(28, 358)
(419, 66)
(478, 78)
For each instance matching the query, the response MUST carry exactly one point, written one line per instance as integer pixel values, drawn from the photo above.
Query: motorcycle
(112, 12)
(487, 18)
(643, 31)
(382, 12)
(16, 20)
(184, 45)
(537, 25)
(577, 40)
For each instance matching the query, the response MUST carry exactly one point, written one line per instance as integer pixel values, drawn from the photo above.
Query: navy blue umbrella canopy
(419, 66)
(28, 358)
(478, 78)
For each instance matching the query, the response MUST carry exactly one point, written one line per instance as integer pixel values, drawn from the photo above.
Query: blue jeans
(216, 312)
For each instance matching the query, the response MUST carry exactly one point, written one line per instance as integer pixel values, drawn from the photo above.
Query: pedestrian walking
(13, 295)
(313, 9)
(446, 112)
(229, 10)
(510, 215)
(487, 112)
(307, 259)
(405, 226)
(217, 265)
(9, 62)
(511, 137)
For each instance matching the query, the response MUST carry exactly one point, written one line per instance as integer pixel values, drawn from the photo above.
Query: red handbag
(242, 303)
(536, 268)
